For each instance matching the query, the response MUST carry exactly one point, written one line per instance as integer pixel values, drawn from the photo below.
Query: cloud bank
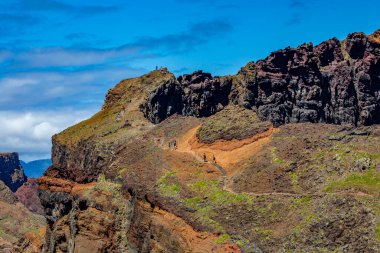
(29, 133)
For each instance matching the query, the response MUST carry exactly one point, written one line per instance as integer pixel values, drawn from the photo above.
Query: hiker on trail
(169, 145)
(213, 159)
(127, 123)
(204, 157)
(174, 144)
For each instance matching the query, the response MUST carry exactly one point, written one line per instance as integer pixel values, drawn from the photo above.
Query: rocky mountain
(11, 172)
(243, 163)
(35, 169)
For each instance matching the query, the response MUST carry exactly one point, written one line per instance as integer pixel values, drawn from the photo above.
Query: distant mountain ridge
(35, 168)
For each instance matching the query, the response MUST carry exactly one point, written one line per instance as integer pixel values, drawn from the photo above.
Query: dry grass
(231, 123)
(16, 221)
(122, 103)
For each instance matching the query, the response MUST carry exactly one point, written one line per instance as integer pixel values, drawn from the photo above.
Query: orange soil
(37, 240)
(227, 153)
(198, 242)
(187, 167)
(61, 185)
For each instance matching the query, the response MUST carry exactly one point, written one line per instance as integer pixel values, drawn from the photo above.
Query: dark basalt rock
(334, 82)
(198, 94)
(11, 172)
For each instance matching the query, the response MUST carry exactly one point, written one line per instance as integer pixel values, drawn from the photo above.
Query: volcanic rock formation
(198, 94)
(335, 82)
(11, 172)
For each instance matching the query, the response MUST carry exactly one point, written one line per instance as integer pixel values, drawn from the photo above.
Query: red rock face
(27, 194)
(334, 82)
(11, 172)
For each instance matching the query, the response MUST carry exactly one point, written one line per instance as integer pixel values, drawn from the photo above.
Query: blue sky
(58, 58)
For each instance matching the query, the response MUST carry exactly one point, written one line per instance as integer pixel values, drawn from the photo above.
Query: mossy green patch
(266, 233)
(368, 182)
(222, 238)
(167, 187)
(216, 196)
(377, 232)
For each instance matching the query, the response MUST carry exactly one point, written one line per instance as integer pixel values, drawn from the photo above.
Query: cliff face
(99, 217)
(231, 183)
(335, 82)
(11, 172)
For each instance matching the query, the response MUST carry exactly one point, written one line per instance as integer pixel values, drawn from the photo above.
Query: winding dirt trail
(229, 153)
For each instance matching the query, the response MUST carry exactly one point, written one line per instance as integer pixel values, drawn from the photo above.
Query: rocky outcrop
(335, 82)
(11, 172)
(83, 164)
(198, 94)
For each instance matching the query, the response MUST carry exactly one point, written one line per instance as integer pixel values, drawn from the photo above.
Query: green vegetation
(208, 196)
(294, 177)
(223, 238)
(231, 123)
(215, 195)
(167, 187)
(368, 182)
(266, 233)
(299, 202)
(108, 186)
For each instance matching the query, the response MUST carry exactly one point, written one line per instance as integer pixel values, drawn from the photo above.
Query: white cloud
(34, 104)
(29, 133)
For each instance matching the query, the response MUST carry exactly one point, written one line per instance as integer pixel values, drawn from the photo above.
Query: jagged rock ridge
(198, 94)
(335, 82)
